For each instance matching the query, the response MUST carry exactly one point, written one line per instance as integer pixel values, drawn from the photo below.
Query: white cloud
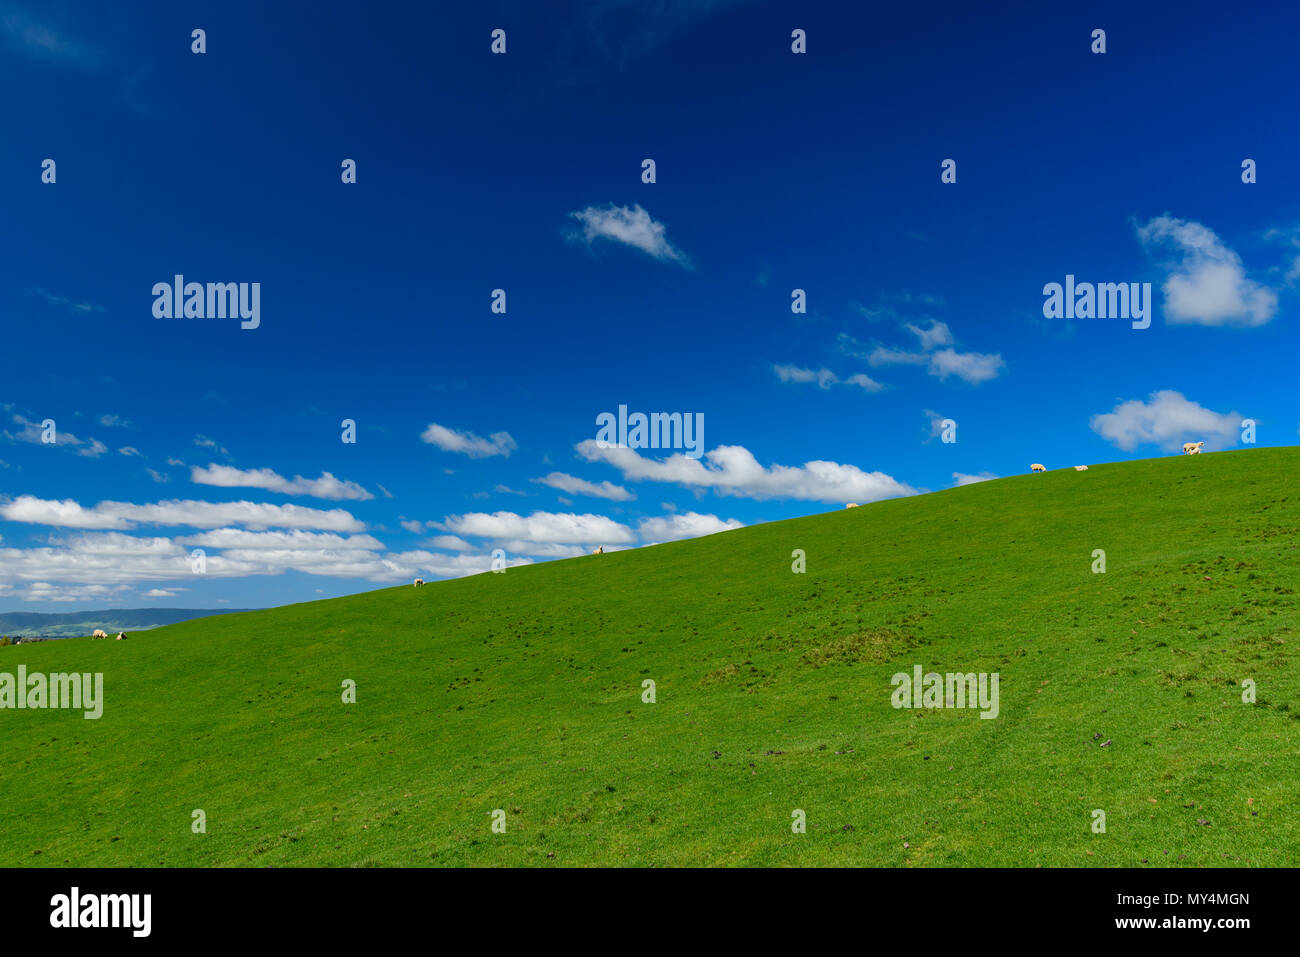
(158, 476)
(565, 528)
(326, 487)
(130, 450)
(65, 514)
(938, 334)
(115, 421)
(161, 593)
(449, 543)
(865, 382)
(542, 550)
(733, 470)
(824, 377)
(295, 539)
(884, 356)
(188, 513)
(972, 367)
(631, 226)
(1207, 284)
(203, 442)
(1167, 420)
(33, 432)
(671, 528)
(467, 443)
(577, 486)
(961, 478)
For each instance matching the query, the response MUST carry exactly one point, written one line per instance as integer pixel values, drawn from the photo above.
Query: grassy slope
(521, 691)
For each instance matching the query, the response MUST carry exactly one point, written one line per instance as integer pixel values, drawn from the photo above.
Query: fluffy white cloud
(111, 558)
(1207, 283)
(1167, 419)
(671, 528)
(972, 367)
(102, 560)
(327, 486)
(193, 514)
(631, 226)
(449, 543)
(65, 514)
(467, 443)
(577, 486)
(733, 470)
(564, 528)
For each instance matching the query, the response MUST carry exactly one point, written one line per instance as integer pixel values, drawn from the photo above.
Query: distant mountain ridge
(73, 623)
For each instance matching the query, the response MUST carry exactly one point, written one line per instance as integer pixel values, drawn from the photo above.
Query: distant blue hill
(73, 623)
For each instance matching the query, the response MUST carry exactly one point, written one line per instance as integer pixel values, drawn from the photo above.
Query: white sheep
(599, 551)
(1081, 468)
(1192, 448)
(419, 582)
(121, 635)
(1037, 468)
(851, 505)
(99, 633)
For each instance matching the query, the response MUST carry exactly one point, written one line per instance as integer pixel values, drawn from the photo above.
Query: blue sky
(775, 171)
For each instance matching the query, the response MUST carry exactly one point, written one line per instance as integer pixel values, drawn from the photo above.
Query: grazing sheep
(1081, 468)
(419, 582)
(121, 635)
(851, 505)
(99, 633)
(1037, 468)
(599, 551)
(1192, 448)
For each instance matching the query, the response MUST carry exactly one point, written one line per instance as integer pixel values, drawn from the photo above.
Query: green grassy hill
(522, 691)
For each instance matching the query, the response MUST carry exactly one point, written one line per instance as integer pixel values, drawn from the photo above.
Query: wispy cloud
(629, 226)
(825, 378)
(467, 443)
(44, 40)
(63, 302)
(326, 487)
(577, 486)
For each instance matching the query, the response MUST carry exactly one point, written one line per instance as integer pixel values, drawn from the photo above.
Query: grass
(523, 692)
